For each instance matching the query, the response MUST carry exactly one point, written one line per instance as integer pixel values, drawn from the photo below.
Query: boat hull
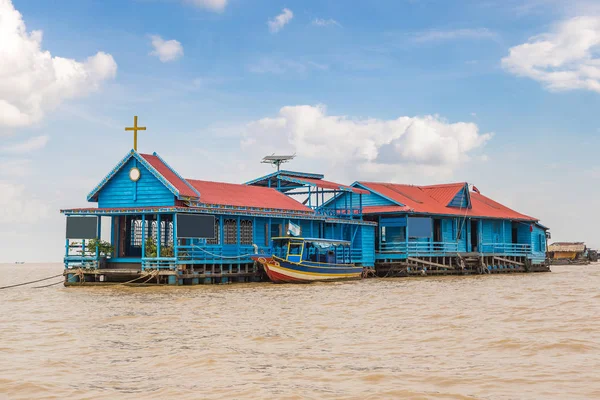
(281, 271)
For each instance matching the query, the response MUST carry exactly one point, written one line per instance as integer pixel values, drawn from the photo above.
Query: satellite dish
(277, 160)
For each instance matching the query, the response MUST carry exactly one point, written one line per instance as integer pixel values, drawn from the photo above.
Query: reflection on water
(526, 336)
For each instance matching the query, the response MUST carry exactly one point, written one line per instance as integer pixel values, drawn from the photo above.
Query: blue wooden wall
(367, 243)
(538, 244)
(371, 199)
(461, 200)
(148, 191)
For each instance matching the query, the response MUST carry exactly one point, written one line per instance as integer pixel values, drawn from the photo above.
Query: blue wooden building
(142, 196)
(446, 229)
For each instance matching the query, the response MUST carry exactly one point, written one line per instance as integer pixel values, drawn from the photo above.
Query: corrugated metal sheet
(443, 194)
(230, 194)
(171, 176)
(418, 200)
(323, 184)
(577, 247)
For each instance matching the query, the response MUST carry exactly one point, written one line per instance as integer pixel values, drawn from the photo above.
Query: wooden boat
(305, 260)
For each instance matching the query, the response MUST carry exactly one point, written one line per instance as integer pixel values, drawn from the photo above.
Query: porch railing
(348, 212)
(419, 248)
(217, 254)
(513, 249)
(80, 261)
(159, 263)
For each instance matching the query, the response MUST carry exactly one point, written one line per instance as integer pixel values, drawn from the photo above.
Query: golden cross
(135, 128)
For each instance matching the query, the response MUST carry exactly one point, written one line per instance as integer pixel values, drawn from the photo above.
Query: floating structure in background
(571, 253)
(166, 229)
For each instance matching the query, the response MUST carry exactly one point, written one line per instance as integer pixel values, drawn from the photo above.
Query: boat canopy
(318, 242)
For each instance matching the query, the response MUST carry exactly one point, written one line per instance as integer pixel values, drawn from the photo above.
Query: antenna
(277, 160)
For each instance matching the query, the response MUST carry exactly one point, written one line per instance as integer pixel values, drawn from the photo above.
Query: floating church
(167, 229)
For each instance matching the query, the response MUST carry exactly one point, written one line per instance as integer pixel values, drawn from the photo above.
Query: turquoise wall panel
(148, 191)
(367, 237)
(367, 200)
(461, 200)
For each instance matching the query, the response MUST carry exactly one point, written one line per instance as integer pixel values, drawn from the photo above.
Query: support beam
(433, 264)
(508, 261)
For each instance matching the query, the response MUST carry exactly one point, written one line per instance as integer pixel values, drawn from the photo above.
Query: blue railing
(512, 249)
(79, 261)
(348, 212)
(419, 248)
(218, 254)
(159, 263)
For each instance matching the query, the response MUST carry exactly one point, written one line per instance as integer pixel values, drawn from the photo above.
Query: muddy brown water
(520, 336)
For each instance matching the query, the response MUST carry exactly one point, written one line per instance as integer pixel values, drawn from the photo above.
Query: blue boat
(305, 260)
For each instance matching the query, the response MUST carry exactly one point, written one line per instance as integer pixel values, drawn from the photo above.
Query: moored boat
(305, 260)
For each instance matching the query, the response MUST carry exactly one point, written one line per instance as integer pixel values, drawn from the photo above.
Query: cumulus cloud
(281, 20)
(32, 144)
(427, 141)
(325, 22)
(564, 59)
(32, 81)
(211, 5)
(17, 206)
(166, 50)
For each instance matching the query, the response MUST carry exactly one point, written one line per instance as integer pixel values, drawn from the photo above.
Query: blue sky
(502, 94)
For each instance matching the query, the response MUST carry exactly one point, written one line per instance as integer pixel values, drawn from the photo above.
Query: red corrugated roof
(443, 194)
(326, 184)
(169, 175)
(230, 194)
(432, 200)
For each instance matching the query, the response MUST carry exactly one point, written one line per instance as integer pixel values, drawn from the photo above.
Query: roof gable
(183, 187)
(450, 195)
(157, 167)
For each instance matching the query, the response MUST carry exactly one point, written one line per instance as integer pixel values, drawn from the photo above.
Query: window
(230, 231)
(246, 232)
(295, 249)
(136, 232)
(217, 238)
(420, 227)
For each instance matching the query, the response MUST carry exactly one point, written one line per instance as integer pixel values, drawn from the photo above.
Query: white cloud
(441, 35)
(212, 5)
(277, 23)
(32, 81)
(565, 58)
(32, 144)
(370, 144)
(166, 50)
(17, 206)
(325, 22)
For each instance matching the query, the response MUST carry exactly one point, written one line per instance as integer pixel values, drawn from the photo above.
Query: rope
(52, 284)
(27, 283)
(150, 276)
(231, 257)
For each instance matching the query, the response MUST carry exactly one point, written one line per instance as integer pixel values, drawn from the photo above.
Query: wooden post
(98, 235)
(175, 239)
(158, 236)
(360, 206)
(143, 239)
